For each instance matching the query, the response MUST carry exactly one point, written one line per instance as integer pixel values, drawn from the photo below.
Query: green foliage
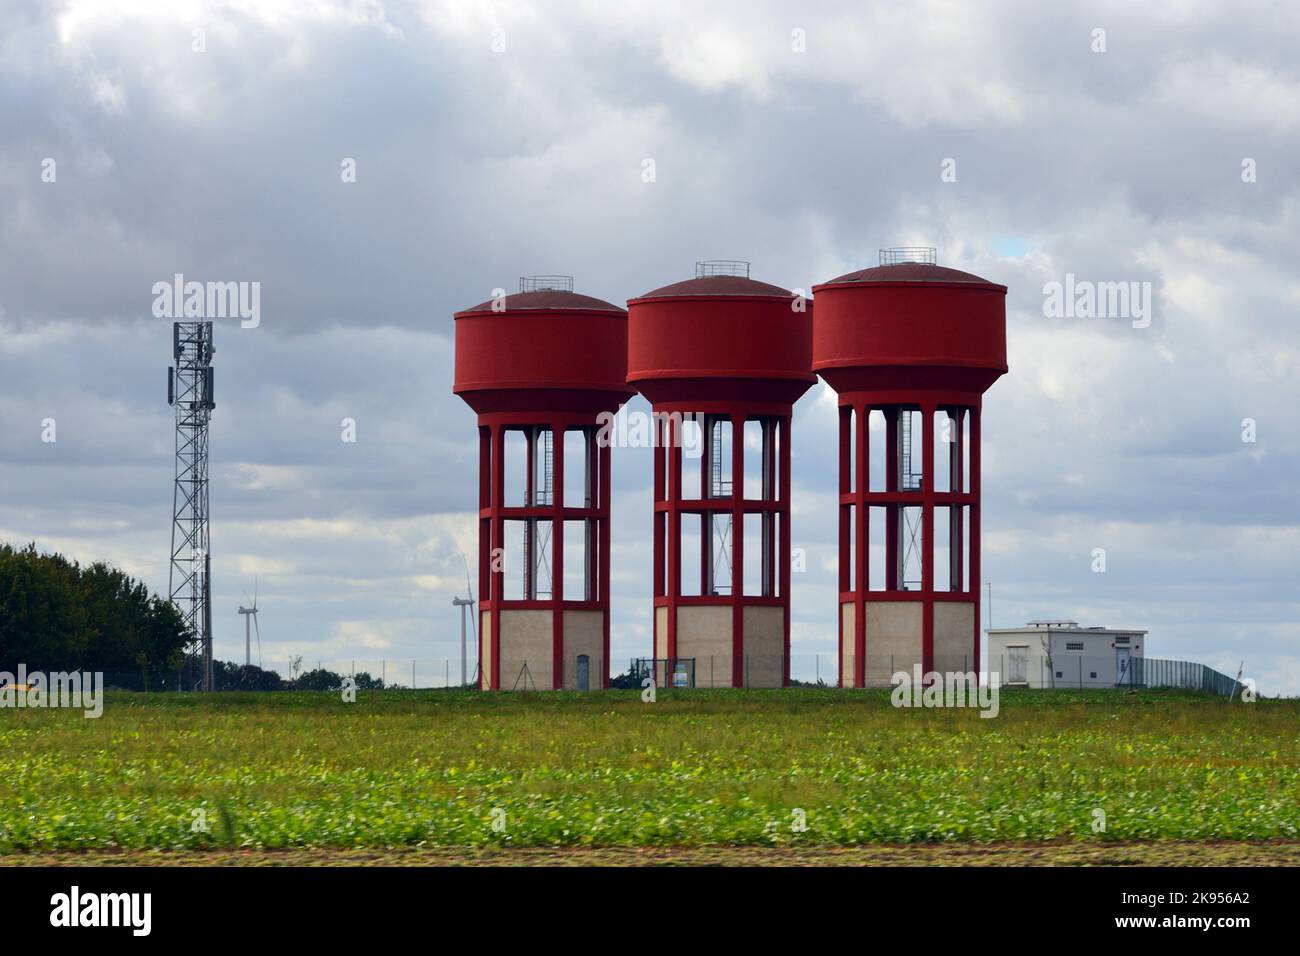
(320, 679)
(230, 676)
(696, 768)
(328, 680)
(57, 615)
(808, 683)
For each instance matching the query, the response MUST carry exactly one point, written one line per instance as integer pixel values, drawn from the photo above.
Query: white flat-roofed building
(1063, 654)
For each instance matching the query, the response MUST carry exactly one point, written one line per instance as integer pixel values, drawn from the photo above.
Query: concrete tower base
(528, 651)
(895, 640)
(705, 634)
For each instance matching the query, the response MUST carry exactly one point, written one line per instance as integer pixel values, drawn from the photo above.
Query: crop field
(704, 776)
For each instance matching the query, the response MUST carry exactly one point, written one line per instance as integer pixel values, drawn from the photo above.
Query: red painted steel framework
(593, 512)
(772, 510)
(856, 499)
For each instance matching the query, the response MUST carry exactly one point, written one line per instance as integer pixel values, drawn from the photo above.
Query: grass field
(702, 776)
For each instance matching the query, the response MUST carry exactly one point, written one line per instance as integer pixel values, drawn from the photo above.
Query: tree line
(58, 615)
(230, 676)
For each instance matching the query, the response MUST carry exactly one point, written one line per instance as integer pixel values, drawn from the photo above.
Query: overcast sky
(493, 140)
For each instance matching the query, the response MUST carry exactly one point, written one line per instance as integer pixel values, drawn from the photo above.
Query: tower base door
(1121, 665)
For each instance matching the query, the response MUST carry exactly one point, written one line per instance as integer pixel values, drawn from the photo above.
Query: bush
(229, 676)
(320, 679)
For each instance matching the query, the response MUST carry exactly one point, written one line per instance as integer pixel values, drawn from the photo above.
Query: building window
(1059, 674)
(1092, 674)
(1074, 645)
(1121, 639)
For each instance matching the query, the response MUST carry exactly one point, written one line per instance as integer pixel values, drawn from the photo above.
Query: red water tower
(910, 347)
(722, 359)
(540, 367)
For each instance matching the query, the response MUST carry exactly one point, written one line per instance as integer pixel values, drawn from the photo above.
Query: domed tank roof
(542, 348)
(719, 285)
(910, 326)
(544, 299)
(720, 337)
(911, 272)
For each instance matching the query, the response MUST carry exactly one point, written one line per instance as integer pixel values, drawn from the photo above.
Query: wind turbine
(251, 612)
(463, 604)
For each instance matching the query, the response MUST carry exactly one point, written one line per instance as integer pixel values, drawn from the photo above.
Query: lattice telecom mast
(189, 391)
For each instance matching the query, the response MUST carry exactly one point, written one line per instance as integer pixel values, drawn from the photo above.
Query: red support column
(673, 515)
(738, 662)
(484, 528)
(975, 522)
(843, 582)
(706, 517)
(891, 510)
(781, 560)
(861, 580)
(927, 537)
(602, 489)
(484, 467)
(594, 499)
(492, 679)
(485, 512)
(659, 530)
(957, 529)
(557, 558)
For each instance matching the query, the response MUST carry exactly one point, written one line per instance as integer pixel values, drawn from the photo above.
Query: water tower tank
(910, 347)
(539, 367)
(722, 359)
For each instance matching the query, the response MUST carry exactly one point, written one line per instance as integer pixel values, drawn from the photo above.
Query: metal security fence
(304, 674)
(576, 672)
(1153, 672)
(396, 674)
(767, 670)
(582, 672)
(665, 672)
(878, 670)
